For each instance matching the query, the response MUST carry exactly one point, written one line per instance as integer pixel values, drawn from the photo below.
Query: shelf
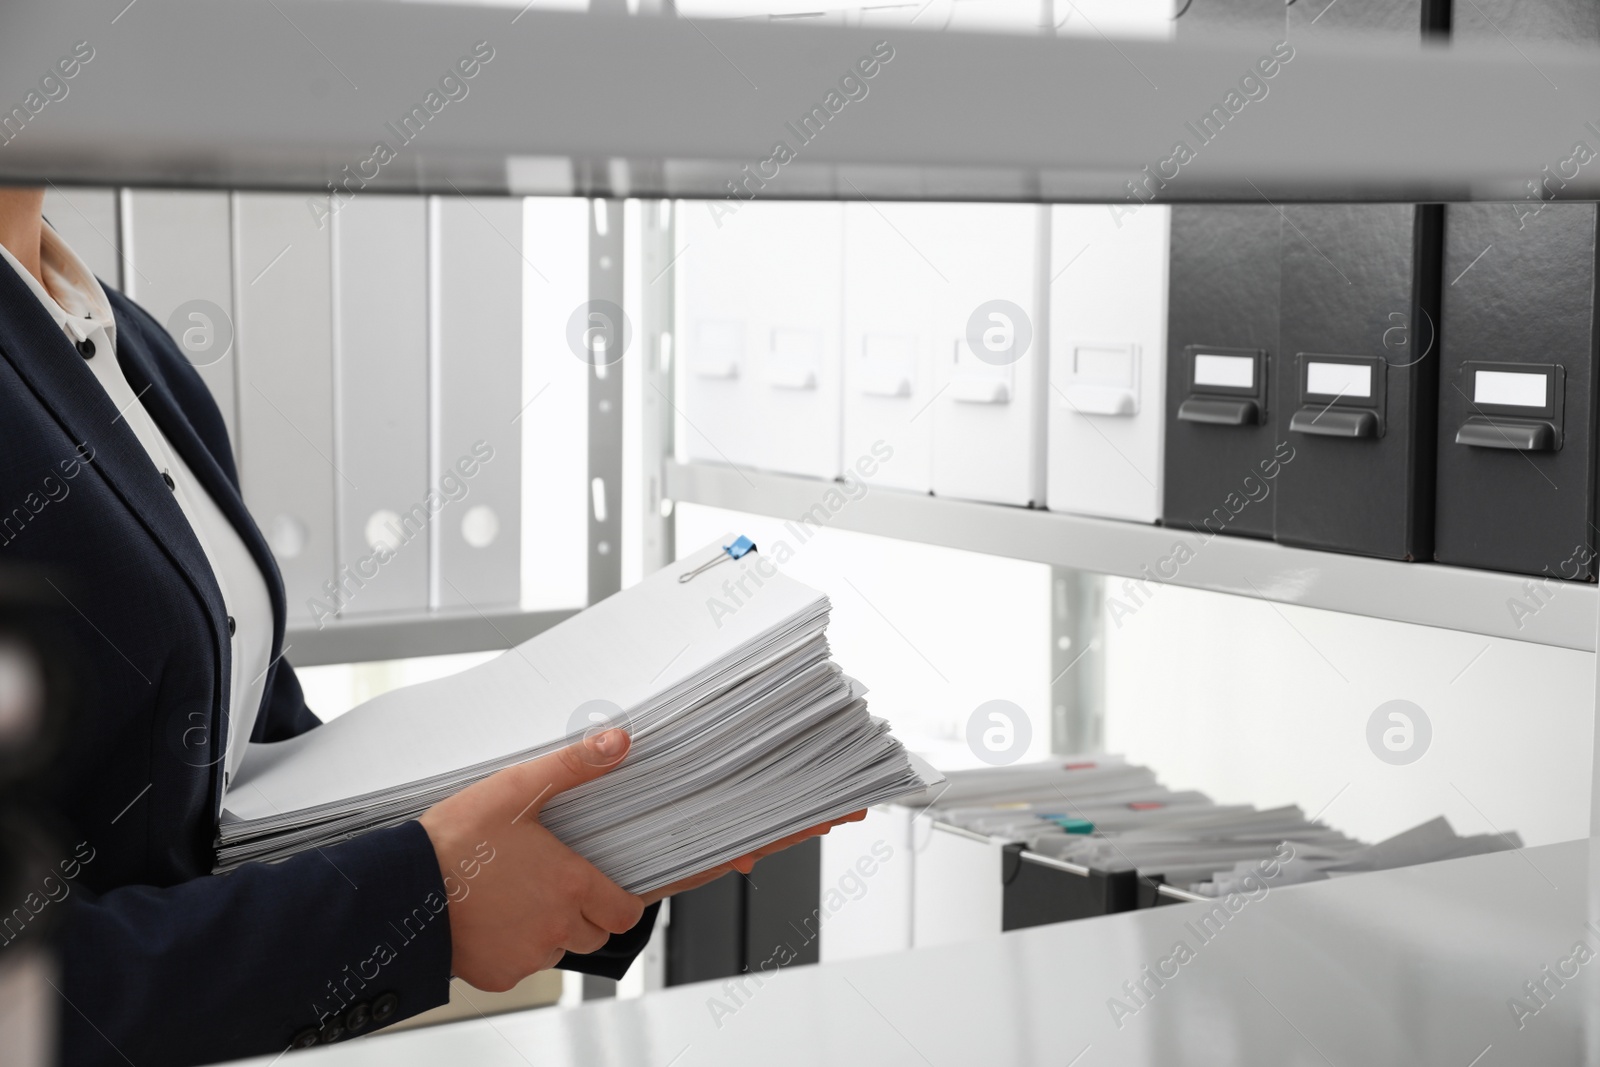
(360, 639)
(583, 104)
(1428, 594)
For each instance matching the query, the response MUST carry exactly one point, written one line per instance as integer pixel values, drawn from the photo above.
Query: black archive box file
(1222, 307)
(1222, 331)
(737, 924)
(1517, 400)
(706, 934)
(1516, 485)
(1036, 893)
(783, 902)
(1356, 377)
(1357, 361)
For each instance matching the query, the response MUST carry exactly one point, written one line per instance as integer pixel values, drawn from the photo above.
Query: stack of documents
(1431, 842)
(1107, 814)
(744, 731)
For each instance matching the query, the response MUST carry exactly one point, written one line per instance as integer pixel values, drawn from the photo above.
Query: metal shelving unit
(1428, 594)
(360, 638)
(684, 104)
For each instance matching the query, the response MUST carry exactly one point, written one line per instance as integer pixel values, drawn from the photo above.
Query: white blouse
(74, 298)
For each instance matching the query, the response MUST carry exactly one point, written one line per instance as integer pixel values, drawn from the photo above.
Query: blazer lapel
(43, 357)
(52, 368)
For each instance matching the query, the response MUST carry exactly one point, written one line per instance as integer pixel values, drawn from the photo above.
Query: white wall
(1269, 704)
(933, 632)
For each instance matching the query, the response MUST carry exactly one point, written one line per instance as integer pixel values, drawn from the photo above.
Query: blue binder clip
(741, 547)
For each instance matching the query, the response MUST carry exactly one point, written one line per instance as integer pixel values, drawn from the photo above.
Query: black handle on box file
(1220, 411)
(1334, 422)
(1521, 435)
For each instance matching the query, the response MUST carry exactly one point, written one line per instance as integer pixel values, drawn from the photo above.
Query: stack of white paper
(743, 731)
(1429, 842)
(1107, 814)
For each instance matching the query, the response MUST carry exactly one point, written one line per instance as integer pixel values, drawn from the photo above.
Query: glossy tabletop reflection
(1471, 962)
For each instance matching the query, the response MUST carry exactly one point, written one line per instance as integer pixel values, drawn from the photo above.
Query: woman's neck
(21, 224)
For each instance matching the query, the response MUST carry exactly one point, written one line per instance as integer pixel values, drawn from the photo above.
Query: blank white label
(804, 346)
(1339, 379)
(719, 344)
(1510, 387)
(720, 339)
(1105, 364)
(1238, 372)
(895, 350)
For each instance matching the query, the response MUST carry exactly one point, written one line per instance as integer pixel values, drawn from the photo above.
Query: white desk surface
(1414, 966)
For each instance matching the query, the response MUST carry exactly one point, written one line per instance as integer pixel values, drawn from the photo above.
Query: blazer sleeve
(613, 959)
(322, 946)
(283, 707)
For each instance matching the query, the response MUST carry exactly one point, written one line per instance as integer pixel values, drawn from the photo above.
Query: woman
(117, 483)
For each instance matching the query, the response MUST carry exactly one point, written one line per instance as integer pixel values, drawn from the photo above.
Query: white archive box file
(284, 338)
(476, 285)
(869, 867)
(1108, 330)
(86, 218)
(178, 247)
(380, 256)
(957, 893)
(759, 311)
(891, 339)
(981, 270)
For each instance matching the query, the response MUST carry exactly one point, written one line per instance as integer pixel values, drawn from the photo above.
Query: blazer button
(384, 1007)
(232, 626)
(86, 348)
(357, 1018)
(304, 1039)
(168, 479)
(331, 1031)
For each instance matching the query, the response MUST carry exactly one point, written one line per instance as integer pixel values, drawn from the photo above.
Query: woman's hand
(533, 898)
(518, 898)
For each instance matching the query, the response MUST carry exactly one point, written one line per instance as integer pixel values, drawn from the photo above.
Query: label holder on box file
(1227, 386)
(1503, 412)
(1341, 396)
(795, 357)
(1101, 378)
(718, 345)
(983, 383)
(887, 366)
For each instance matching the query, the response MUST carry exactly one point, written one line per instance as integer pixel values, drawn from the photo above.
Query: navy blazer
(163, 962)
